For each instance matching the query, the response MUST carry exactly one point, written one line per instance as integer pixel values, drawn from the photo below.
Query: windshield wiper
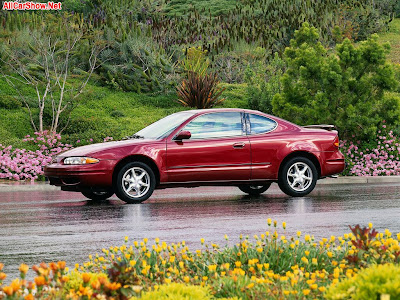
(133, 136)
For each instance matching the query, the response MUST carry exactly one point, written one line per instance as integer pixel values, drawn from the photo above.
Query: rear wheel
(254, 189)
(135, 182)
(298, 177)
(97, 196)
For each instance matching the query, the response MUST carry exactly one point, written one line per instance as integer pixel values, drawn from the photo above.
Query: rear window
(260, 124)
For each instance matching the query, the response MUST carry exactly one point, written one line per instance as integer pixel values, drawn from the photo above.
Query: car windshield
(164, 127)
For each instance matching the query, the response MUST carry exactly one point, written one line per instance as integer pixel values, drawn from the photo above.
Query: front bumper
(91, 175)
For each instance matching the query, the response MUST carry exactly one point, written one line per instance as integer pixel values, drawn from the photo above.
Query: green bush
(133, 62)
(346, 88)
(369, 284)
(9, 102)
(263, 82)
(178, 291)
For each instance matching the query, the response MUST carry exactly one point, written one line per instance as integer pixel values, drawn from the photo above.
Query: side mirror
(183, 135)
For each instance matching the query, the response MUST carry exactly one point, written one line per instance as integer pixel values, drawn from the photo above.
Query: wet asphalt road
(38, 226)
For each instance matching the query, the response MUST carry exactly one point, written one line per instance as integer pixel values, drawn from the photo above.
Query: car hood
(100, 147)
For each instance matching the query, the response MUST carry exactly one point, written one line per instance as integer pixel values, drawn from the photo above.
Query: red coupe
(238, 147)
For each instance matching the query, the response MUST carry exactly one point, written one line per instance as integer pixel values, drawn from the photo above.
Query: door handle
(238, 145)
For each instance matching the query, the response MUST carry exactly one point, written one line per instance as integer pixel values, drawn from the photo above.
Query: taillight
(336, 142)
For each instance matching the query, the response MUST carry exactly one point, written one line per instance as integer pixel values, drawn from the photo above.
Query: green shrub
(346, 88)
(369, 284)
(9, 102)
(178, 291)
(117, 114)
(263, 82)
(200, 91)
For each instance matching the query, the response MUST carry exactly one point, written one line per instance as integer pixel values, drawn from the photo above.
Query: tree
(345, 88)
(47, 60)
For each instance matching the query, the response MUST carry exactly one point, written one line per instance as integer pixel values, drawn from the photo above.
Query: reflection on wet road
(48, 226)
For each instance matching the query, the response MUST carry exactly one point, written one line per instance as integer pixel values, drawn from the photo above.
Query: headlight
(80, 160)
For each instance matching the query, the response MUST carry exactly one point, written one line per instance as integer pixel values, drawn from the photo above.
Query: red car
(238, 147)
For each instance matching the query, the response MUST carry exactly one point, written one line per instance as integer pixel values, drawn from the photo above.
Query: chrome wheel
(136, 182)
(299, 176)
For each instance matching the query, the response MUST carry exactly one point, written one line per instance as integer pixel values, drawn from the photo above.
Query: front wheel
(254, 189)
(98, 196)
(298, 177)
(135, 182)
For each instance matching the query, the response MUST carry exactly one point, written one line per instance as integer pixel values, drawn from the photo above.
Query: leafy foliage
(370, 284)
(346, 88)
(134, 63)
(263, 82)
(178, 291)
(200, 91)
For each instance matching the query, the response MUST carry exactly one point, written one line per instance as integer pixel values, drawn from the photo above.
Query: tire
(97, 196)
(135, 188)
(254, 189)
(298, 177)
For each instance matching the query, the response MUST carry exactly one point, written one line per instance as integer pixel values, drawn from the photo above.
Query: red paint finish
(250, 156)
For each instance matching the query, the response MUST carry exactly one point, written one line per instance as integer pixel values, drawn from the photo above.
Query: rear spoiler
(322, 126)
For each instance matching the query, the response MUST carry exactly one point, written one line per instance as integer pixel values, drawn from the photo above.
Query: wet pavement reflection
(48, 226)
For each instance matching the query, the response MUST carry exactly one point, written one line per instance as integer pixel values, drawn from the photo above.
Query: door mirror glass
(183, 135)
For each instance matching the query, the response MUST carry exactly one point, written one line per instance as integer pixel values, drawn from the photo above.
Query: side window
(215, 125)
(260, 124)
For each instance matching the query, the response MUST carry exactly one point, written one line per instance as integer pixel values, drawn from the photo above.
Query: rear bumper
(334, 163)
(73, 176)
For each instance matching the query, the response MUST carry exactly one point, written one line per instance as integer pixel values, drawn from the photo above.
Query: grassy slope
(104, 112)
(216, 7)
(393, 37)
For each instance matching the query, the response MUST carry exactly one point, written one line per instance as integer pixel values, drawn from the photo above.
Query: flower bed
(268, 266)
(23, 164)
(380, 158)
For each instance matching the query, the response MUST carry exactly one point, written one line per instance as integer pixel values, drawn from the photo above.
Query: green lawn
(393, 37)
(103, 112)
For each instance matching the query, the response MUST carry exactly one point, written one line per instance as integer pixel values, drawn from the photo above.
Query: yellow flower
(250, 285)
(29, 297)
(23, 268)
(298, 233)
(205, 278)
(238, 264)
(306, 292)
(3, 276)
(284, 225)
(370, 225)
(86, 277)
(40, 280)
(307, 253)
(269, 221)
(212, 268)
(8, 290)
(202, 241)
(132, 263)
(126, 239)
(322, 289)
(330, 254)
(172, 259)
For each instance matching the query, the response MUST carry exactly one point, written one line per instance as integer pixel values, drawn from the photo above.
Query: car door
(218, 150)
(264, 145)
